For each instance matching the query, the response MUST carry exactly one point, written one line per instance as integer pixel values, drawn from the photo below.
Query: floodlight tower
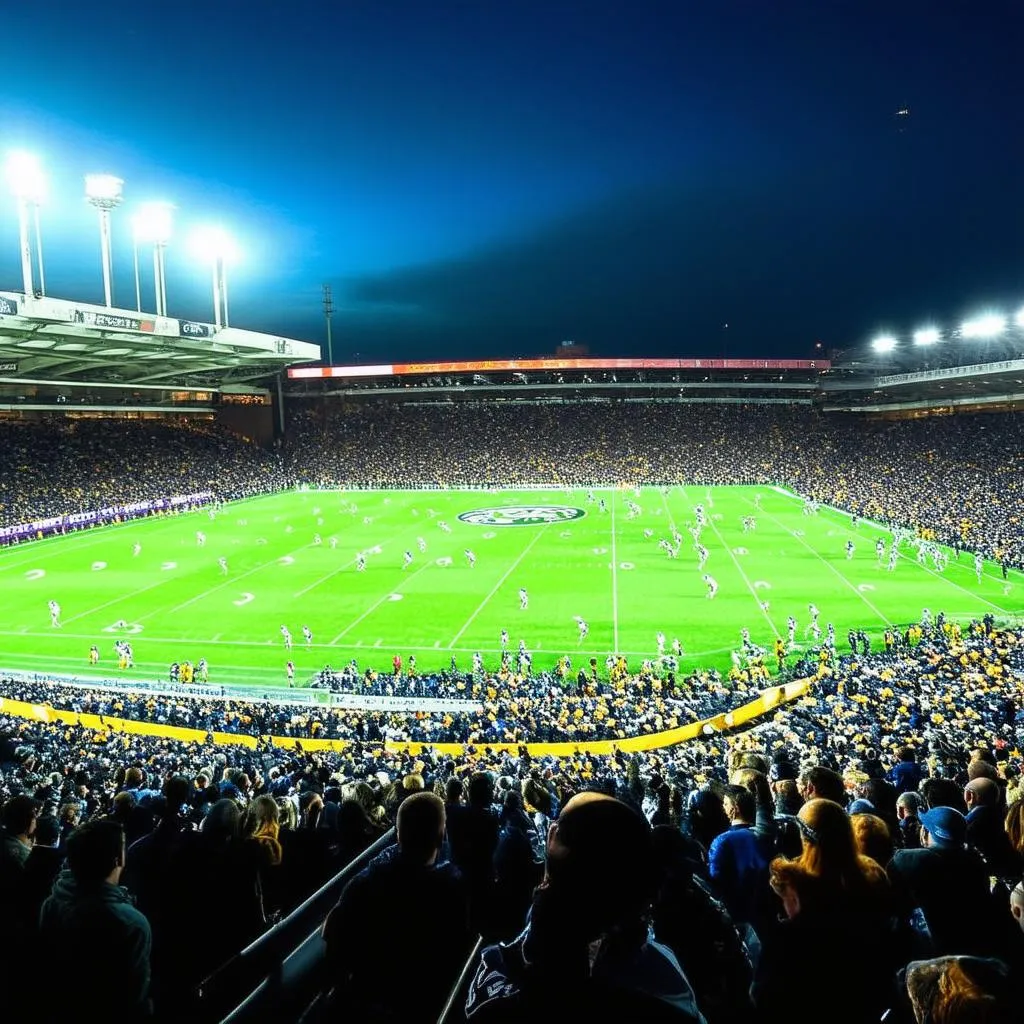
(328, 301)
(103, 191)
(28, 186)
(215, 245)
(153, 224)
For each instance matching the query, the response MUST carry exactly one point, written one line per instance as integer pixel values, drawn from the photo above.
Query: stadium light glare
(153, 224)
(884, 343)
(25, 177)
(926, 336)
(1020, 317)
(214, 245)
(104, 192)
(104, 189)
(989, 326)
(28, 185)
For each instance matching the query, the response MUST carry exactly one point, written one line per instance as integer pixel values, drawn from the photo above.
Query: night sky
(493, 177)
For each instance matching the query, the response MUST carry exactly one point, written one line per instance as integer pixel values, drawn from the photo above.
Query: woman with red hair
(830, 956)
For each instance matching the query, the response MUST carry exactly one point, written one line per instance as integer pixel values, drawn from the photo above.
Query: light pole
(135, 261)
(153, 224)
(25, 177)
(215, 245)
(103, 191)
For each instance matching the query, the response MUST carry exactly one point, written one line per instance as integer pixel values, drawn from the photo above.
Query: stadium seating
(721, 875)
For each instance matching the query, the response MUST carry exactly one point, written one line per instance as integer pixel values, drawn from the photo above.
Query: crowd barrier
(766, 702)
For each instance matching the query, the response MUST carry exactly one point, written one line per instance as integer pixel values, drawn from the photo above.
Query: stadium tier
(768, 657)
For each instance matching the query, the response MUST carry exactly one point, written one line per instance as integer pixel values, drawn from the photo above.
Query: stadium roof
(57, 340)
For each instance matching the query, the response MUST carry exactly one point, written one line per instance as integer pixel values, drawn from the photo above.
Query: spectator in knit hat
(406, 883)
(586, 952)
(949, 883)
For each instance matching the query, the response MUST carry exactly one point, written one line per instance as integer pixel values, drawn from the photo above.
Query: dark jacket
(41, 870)
(985, 832)
(905, 776)
(951, 888)
(390, 895)
(95, 935)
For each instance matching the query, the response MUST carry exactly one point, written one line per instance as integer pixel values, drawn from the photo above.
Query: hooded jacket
(100, 939)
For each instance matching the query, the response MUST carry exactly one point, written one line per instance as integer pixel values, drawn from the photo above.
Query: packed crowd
(102, 463)
(877, 822)
(961, 476)
(501, 707)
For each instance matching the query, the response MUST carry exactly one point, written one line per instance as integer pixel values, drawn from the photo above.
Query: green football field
(572, 558)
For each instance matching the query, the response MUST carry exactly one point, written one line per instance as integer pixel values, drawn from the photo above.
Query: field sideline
(598, 565)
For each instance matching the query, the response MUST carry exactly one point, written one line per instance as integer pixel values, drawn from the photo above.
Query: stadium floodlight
(989, 326)
(153, 225)
(884, 343)
(1020, 317)
(103, 191)
(215, 246)
(926, 336)
(28, 185)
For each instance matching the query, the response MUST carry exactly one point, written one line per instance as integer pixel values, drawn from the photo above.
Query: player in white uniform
(894, 553)
(444, 527)
(317, 540)
(421, 544)
(850, 548)
(406, 560)
(813, 627)
(524, 599)
(200, 538)
(54, 614)
(712, 585)
(979, 565)
(289, 671)
(880, 550)
(677, 647)
(791, 627)
(307, 635)
(360, 562)
(702, 557)
(286, 633)
(333, 542)
(659, 639)
(470, 557)
(583, 628)
(223, 563)
(503, 639)
(136, 550)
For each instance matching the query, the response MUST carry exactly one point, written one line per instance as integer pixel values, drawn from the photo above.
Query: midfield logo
(522, 515)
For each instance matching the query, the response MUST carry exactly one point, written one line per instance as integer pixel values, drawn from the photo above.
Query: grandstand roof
(48, 339)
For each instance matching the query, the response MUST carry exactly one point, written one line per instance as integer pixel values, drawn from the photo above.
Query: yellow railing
(767, 701)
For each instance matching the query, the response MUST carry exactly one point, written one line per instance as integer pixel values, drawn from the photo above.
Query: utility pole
(328, 313)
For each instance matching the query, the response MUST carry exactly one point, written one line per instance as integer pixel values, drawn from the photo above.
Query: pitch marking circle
(521, 515)
(129, 627)
(762, 585)
(97, 566)
(35, 574)
(866, 586)
(395, 597)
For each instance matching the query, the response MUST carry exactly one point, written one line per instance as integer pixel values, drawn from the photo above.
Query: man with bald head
(587, 951)
(985, 829)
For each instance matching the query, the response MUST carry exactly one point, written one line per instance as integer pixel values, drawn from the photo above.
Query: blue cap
(946, 826)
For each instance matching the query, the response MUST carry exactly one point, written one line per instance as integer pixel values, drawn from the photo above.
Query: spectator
(985, 827)
(908, 811)
(43, 864)
(738, 861)
(837, 911)
(948, 883)
(91, 929)
(552, 972)
(405, 883)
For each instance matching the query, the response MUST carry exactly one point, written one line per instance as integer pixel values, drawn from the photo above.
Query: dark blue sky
(493, 177)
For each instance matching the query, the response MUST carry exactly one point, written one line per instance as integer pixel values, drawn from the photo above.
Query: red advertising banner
(546, 365)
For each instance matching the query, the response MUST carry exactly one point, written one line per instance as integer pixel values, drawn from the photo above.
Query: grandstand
(719, 767)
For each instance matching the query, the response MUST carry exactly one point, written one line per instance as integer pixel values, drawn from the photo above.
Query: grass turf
(180, 606)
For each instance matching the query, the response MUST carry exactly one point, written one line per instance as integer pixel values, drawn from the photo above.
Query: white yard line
(116, 600)
(824, 561)
(376, 604)
(615, 585)
(746, 579)
(497, 586)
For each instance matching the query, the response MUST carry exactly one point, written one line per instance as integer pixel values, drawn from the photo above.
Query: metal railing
(282, 965)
